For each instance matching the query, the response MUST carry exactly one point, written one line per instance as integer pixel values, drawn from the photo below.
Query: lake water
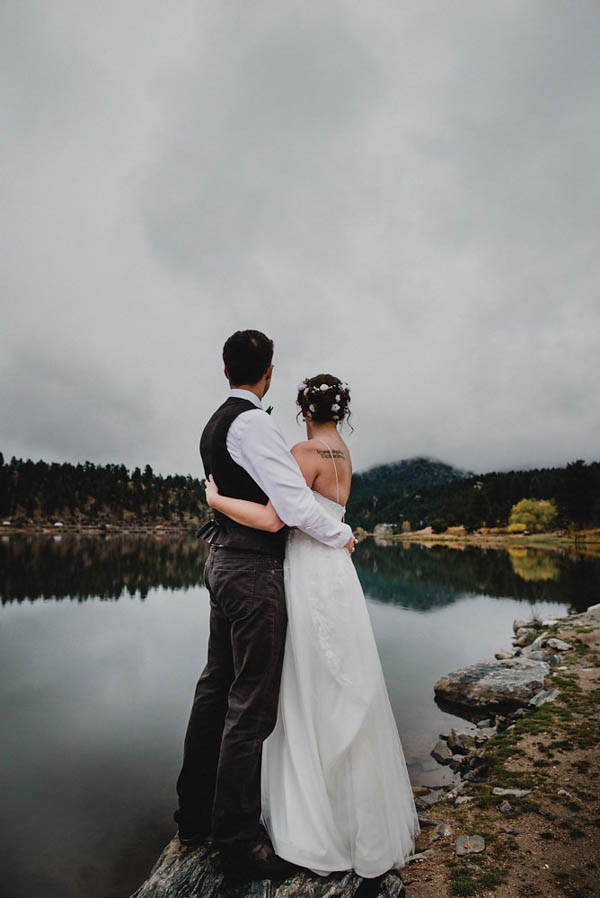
(101, 643)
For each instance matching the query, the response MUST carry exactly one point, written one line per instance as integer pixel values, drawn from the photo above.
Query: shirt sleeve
(256, 444)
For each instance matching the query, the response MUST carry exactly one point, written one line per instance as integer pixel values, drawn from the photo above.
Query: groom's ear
(226, 373)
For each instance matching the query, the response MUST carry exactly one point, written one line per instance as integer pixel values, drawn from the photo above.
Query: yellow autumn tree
(532, 514)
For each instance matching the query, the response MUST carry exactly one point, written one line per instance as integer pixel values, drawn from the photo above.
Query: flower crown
(317, 390)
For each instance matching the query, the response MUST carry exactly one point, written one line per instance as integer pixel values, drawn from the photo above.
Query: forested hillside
(413, 493)
(399, 475)
(484, 500)
(95, 494)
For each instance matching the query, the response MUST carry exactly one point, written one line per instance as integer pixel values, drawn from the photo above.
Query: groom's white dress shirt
(256, 444)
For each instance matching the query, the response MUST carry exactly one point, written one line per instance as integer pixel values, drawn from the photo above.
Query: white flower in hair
(338, 397)
(306, 391)
(324, 387)
(335, 407)
(311, 408)
(302, 386)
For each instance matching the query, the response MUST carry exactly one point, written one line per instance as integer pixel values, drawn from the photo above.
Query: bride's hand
(349, 547)
(211, 490)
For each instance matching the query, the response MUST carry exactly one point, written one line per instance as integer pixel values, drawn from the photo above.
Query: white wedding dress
(335, 789)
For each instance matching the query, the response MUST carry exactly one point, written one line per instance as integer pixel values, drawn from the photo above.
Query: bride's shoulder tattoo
(337, 453)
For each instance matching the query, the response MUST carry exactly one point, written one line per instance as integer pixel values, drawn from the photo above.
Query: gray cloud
(403, 195)
(66, 409)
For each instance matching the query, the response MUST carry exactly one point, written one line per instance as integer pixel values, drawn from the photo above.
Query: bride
(335, 789)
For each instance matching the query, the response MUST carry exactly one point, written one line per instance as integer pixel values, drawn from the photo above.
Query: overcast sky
(404, 194)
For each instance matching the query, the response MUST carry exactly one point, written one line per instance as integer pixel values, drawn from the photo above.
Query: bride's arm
(250, 514)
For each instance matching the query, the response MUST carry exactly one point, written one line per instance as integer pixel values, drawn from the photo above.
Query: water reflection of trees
(534, 565)
(419, 577)
(83, 567)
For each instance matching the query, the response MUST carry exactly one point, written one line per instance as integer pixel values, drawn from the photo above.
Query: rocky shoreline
(511, 685)
(495, 831)
(507, 828)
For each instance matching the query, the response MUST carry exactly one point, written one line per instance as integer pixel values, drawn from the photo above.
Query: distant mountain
(400, 475)
(421, 492)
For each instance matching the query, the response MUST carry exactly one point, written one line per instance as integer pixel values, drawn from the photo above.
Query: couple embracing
(292, 756)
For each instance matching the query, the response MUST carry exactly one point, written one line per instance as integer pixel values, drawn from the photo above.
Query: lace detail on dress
(327, 636)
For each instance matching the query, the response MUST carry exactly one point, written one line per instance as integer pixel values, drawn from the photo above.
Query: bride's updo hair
(324, 398)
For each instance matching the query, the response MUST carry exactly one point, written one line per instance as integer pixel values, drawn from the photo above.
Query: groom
(235, 703)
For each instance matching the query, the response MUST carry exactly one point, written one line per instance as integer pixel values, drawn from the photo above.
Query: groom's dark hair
(247, 355)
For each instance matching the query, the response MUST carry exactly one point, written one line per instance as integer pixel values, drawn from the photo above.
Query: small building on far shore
(383, 532)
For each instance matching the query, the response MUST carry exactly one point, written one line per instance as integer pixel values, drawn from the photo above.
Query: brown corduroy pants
(236, 698)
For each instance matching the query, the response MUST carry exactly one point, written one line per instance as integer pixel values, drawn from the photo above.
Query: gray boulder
(539, 655)
(559, 644)
(512, 682)
(525, 625)
(546, 695)
(470, 845)
(421, 856)
(485, 733)
(194, 873)
(460, 743)
(457, 762)
(441, 753)
(514, 793)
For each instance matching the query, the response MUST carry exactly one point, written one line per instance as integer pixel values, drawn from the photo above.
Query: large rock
(546, 695)
(512, 682)
(194, 873)
(526, 625)
(470, 845)
(441, 753)
(460, 743)
(559, 645)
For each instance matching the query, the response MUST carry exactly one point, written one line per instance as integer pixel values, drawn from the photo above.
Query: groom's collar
(246, 394)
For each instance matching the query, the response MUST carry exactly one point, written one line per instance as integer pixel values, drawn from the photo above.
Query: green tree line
(32, 491)
(81, 493)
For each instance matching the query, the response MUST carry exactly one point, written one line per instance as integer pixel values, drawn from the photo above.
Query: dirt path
(546, 843)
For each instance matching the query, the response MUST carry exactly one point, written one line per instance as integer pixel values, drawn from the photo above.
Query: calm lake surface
(101, 643)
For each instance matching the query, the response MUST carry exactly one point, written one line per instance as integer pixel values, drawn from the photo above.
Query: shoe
(190, 832)
(254, 860)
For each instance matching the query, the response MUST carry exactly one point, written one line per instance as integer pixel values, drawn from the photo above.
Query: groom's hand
(349, 547)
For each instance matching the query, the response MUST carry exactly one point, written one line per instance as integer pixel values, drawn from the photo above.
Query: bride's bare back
(320, 458)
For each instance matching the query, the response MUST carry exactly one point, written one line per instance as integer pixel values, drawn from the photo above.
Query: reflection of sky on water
(94, 700)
